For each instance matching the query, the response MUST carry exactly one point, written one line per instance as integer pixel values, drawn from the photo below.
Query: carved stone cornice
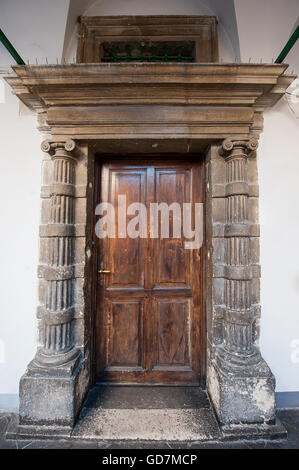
(199, 102)
(79, 84)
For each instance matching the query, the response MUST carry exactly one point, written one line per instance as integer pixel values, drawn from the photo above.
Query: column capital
(54, 147)
(229, 147)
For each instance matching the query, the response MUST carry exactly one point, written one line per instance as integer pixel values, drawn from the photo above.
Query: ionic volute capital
(230, 147)
(60, 148)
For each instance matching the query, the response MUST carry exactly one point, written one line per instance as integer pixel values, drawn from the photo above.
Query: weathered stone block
(79, 333)
(255, 291)
(79, 252)
(218, 291)
(47, 170)
(218, 173)
(218, 250)
(253, 210)
(218, 210)
(80, 210)
(81, 171)
(79, 292)
(42, 291)
(252, 174)
(254, 250)
(213, 154)
(243, 399)
(45, 211)
(51, 399)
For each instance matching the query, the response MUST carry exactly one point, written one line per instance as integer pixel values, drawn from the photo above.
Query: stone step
(147, 424)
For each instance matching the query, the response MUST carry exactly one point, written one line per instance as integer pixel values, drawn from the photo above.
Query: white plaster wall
(44, 28)
(36, 29)
(264, 28)
(19, 209)
(278, 163)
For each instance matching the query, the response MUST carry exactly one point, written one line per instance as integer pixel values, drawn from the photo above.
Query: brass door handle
(104, 271)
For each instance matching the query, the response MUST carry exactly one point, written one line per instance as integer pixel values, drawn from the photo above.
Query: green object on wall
(8, 45)
(288, 46)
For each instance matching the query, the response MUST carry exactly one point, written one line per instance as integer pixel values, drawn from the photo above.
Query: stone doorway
(215, 109)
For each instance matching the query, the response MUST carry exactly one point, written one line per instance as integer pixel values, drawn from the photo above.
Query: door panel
(127, 254)
(173, 333)
(125, 335)
(148, 325)
(171, 185)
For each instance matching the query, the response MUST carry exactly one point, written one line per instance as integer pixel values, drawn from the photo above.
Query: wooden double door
(149, 306)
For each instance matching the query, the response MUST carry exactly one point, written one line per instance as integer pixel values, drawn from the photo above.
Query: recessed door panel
(125, 323)
(127, 254)
(173, 332)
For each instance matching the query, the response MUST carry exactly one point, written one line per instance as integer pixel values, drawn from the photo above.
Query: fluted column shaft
(57, 344)
(238, 346)
(238, 328)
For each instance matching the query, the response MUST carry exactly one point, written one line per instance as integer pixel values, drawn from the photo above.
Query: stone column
(57, 340)
(237, 351)
(49, 389)
(241, 383)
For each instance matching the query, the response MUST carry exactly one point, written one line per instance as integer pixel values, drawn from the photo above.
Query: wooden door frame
(96, 191)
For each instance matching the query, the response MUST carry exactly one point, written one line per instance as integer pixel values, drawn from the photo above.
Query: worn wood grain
(149, 308)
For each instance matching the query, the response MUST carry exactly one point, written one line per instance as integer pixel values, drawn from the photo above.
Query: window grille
(170, 51)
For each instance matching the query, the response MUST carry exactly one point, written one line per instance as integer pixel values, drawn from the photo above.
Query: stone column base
(243, 398)
(53, 396)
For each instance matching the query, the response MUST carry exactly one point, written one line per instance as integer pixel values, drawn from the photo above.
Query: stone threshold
(151, 414)
(245, 432)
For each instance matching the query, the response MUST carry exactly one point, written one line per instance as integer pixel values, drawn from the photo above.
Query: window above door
(148, 39)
